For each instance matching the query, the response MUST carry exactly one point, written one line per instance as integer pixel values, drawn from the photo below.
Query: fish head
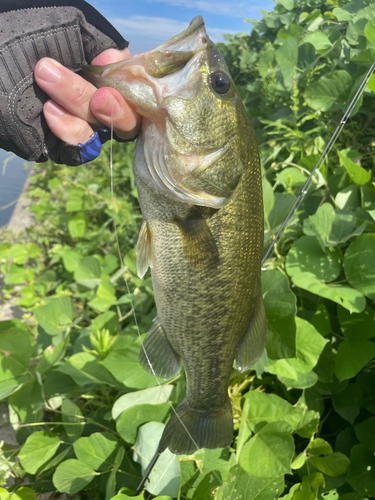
(193, 116)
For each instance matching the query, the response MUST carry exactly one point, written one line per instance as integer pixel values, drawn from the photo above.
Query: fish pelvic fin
(190, 429)
(251, 345)
(143, 250)
(164, 361)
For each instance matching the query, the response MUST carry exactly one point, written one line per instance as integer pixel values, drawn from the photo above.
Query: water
(12, 180)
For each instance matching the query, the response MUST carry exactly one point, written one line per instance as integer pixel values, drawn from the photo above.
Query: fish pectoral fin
(143, 250)
(157, 352)
(251, 345)
(198, 243)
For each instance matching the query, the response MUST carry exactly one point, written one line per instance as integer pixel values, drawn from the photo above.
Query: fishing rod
(296, 204)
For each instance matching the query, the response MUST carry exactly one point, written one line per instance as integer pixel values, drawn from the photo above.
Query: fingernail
(109, 106)
(54, 109)
(49, 72)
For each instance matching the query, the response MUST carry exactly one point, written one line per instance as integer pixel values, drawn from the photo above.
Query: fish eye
(220, 82)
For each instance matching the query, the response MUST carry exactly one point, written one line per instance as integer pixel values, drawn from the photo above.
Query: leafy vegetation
(88, 418)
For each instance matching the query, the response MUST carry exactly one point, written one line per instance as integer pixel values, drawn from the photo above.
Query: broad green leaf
(329, 91)
(365, 433)
(105, 296)
(72, 476)
(357, 326)
(70, 260)
(280, 305)
(347, 297)
(126, 369)
(359, 264)
(318, 40)
(347, 403)
(122, 496)
(129, 420)
(352, 356)
(242, 486)
(306, 256)
(370, 31)
(306, 55)
(38, 449)
(107, 320)
(51, 355)
(269, 451)
(11, 385)
(164, 478)
(361, 475)
(73, 419)
(55, 315)
(85, 368)
(23, 493)
(287, 4)
(87, 273)
(152, 396)
(309, 487)
(286, 57)
(28, 402)
(19, 254)
(262, 407)
(15, 349)
(319, 447)
(96, 450)
(356, 173)
(15, 276)
(291, 177)
(77, 226)
(331, 465)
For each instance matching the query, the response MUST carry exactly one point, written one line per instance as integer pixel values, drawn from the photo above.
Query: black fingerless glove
(70, 31)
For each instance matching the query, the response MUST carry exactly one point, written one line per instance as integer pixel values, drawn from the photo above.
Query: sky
(148, 23)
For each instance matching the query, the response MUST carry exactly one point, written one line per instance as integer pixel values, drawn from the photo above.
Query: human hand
(77, 108)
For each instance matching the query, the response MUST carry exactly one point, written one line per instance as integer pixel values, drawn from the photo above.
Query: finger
(65, 126)
(110, 108)
(110, 56)
(66, 88)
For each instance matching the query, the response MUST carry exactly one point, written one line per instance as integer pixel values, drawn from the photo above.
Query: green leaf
(365, 433)
(87, 272)
(107, 320)
(77, 226)
(357, 326)
(361, 474)
(70, 260)
(55, 315)
(133, 417)
(359, 264)
(318, 40)
(370, 31)
(347, 403)
(280, 305)
(122, 496)
(38, 449)
(153, 396)
(164, 478)
(73, 419)
(105, 296)
(306, 256)
(344, 295)
(15, 349)
(352, 356)
(329, 91)
(309, 487)
(287, 4)
(85, 368)
(331, 465)
(15, 276)
(268, 452)
(72, 476)
(96, 450)
(23, 493)
(262, 407)
(287, 57)
(356, 173)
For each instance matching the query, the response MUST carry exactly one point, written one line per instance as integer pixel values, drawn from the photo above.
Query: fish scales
(197, 172)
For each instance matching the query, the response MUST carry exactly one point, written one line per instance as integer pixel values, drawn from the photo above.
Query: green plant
(88, 418)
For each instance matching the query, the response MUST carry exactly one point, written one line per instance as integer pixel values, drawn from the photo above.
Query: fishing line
(323, 156)
(158, 452)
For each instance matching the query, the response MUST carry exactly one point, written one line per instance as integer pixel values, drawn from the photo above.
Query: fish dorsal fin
(143, 250)
(199, 245)
(164, 361)
(251, 345)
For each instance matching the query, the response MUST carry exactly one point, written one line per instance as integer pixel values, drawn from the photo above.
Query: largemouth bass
(198, 177)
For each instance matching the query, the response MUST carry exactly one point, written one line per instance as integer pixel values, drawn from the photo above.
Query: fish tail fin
(190, 429)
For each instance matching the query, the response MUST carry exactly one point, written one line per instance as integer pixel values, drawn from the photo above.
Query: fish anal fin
(251, 345)
(164, 361)
(143, 250)
(199, 245)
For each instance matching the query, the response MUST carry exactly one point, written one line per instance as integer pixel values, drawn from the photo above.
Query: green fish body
(198, 177)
